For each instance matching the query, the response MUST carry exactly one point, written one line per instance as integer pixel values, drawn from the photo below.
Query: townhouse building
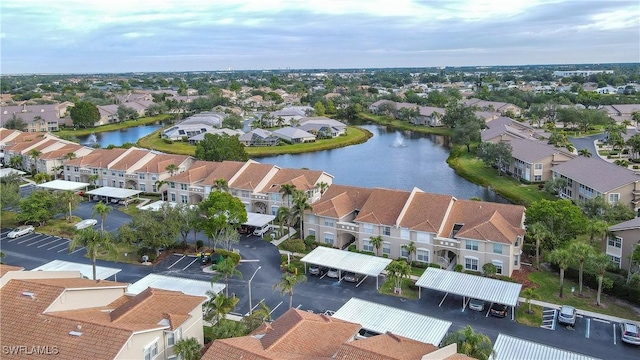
(39, 118)
(496, 106)
(624, 238)
(533, 160)
(590, 177)
(426, 115)
(444, 230)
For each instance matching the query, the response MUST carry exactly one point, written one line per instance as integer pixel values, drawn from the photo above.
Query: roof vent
(29, 294)
(77, 331)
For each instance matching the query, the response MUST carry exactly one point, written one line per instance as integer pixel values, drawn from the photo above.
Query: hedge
(229, 254)
(294, 245)
(620, 289)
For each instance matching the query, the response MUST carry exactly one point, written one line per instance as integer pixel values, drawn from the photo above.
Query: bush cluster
(293, 245)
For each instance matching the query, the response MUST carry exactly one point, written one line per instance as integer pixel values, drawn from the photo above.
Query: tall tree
(538, 232)
(467, 132)
(226, 268)
(287, 283)
(34, 154)
(300, 206)
(287, 190)
(39, 207)
(498, 155)
(159, 184)
(410, 248)
(220, 148)
(217, 307)
(596, 227)
(581, 254)
(397, 271)
(84, 114)
(599, 263)
(172, 169)
(528, 294)
(16, 123)
(220, 184)
(188, 349)
(102, 210)
(219, 210)
(92, 241)
(561, 217)
(376, 242)
(562, 258)
(471, 343)
(69, 200)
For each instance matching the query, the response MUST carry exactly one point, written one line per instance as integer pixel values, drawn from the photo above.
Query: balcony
(348, 227)
(259, 197)
(131, 176)
(196, 189)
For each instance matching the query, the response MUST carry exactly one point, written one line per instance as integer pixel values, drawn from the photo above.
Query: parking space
(37, 243)
(548, 318)
(180, 262)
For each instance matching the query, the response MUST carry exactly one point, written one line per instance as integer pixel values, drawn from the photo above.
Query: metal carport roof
(508, 348)
(382, 318)
(102, 272)
(187, 286)
(258, 220)
(63, 185)
(347, 261)
(114, 192)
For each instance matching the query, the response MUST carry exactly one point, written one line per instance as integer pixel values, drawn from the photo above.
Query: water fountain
(92, 139)
(399, 141)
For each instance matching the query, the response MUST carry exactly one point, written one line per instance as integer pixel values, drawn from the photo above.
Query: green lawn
(534, 319)
(416, 271)
(407, 292)
(125, 253)
(112, 127)
(399, 124)
(549, 290)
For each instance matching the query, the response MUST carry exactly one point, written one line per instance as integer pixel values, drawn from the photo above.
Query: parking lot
(36, 242)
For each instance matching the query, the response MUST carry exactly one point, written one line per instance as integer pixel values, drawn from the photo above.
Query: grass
(8, 219)
(60, 227)
(125, 253)
(534, 319)
(408, 287)
(416, 271)
(549, 289)
(114, 127)
(403, 125)
(355, 135)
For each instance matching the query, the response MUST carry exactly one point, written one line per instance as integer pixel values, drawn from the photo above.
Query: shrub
(309, 241)
(229, 254)
(471, 272)
(199, 244)
(293, 245)
(147, 251)
(386, 256)
(168, 141)
(419, 265)
(458, 268)
(352, 248)
(323, 244)
(437, 266)
(368, 253)
(636, 167)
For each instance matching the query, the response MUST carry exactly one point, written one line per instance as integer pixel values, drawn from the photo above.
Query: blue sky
(80, 36)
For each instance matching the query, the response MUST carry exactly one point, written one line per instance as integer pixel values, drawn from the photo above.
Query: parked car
(630, 333)
(260, 231)
(86, 224)
(476, 305)
(317, 270)
(352, 277)
(19, 231)
(498, 310)
(567, 315)
(333, 273)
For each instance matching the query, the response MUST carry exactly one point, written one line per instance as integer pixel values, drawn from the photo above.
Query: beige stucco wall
(39, 275)
(78, 299)
(630, 239)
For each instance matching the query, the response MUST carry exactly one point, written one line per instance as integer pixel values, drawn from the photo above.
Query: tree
(528, 294)
(188, 349)
(226, 268)
(562, 258)
(257, 317)
(489, 269)
(9, 191)
(300, 205)
(584, 152)
(322, 186)
(233, 121)
(467, 132)
(92, 241)
(172, 169)
(41, 178)
(93, 178)
(599, 263)
(159, 184)
(319, 108)
(16, 162)
(538, 232)
(283, 216)
(287, 190)
(376, 242)
(219, 210)
(635, 116)
(102, 210)
(634, 144)
(594, 207)
(596, 227)
(228, 236)
(220, 184)
(155, 229)
(287, 283)
(220, 148)
(84, 114)
(16, 123)
(188, 218)
(397, 271)
(475, 345)
(70, 200)
(562, 218)
(39, 207)
(33, 154)
(581, 253)
(498, 155)
(218, 306)
(410, 249)
(634, 259)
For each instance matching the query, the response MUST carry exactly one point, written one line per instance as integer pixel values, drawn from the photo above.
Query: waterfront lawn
(404, 125)
(112, 127)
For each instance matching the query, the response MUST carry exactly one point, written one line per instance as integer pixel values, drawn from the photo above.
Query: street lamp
(254, 274)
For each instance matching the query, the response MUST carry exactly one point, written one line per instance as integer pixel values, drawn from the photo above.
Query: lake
(119, 137)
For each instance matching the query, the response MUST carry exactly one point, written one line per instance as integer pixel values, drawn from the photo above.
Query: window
(77, 178)
(312, 232)
(311, 219)
(386, 230)
(423, 237)
(537, 177)
(121, 184)
(403, 252)
(184, 199)
(329, 238)
(615, 260)
(613, 198)
(183, 187)
(471, 263)
(615, 242)
(386, 248)
(171, 338)
(143, 187)
(172, 185)
(329, 222)
(151, 351)
(367, 246)
(141, 176)
(404, 233)
(497, 248)
(173, 197)
(422, 255)
(274, 210)
(471, 245)
(120, 173)
(538, 167)
(94, 171)
(104, 172)
(76, 169)
(498, 265)
(274, 196)
(456, 228)
(516, 260)
(367, 228)
(518, 238)
(154, 177)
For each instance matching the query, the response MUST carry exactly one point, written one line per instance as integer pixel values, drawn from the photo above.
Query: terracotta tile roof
(130, 159)
(61, 152)
(76, 283)
(301, 178)
(294, 335)
(6, 268)
(485, 221)
(385, 347)
(459, 356)
(340, 200)
(20, 143)
(426, 212)
(224, 170)
(160, 162)
(98, 158)
(5, 133)
(251, 176)
(196, 173)
(44, 144)
(383, 207)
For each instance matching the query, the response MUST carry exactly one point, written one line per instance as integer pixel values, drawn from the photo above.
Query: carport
(173, 283)
(63, 185)
(381, 318)
(258, 220)
(102, 272)
(114, 192)
(346, 261)
(470, 286)
(509, 347)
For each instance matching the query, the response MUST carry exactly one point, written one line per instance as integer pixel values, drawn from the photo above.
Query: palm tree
(93, 178)
(287, 283)
(581, 253)
(376, 241)
(599, 263)
(93, 241)
(226, 269)
(584, 152)
(322, 186)
(188, 349)
(172, 169)
(221, 184)
(33, 154)
(159, 184)
(397, 271)
(283, 216)
(471, 343)
(410, 249)
(70, 199)
(562, 258)
(218, 306)
(70, 155)
(15, 162)
(635, 116)
(528, 294)
(40, 178)
(287, 190)
(596, 227)
(300, 205)
(539, 232)
(257, 317)
(102, 210)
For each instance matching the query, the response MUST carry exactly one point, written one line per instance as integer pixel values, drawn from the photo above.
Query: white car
(86, 224)
(19, 231)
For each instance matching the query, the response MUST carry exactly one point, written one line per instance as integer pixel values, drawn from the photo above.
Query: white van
(260, 231)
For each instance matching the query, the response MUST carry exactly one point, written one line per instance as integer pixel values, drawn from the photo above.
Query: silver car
(333, 273)
(476, 305)
(567, 315)
(630, 333)
(19, 231)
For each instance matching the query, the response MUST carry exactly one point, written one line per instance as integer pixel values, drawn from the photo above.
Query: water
(391, 159)
(118, 137)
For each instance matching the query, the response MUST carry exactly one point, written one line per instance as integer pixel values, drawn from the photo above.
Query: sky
(108, 36)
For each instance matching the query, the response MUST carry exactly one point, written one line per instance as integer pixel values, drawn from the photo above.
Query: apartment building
(533, 160)
(39, 118)
(622, 242)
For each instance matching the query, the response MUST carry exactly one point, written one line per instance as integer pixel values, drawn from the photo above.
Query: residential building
(259, 137)
(293, 135)
(39, 118)
(444, 230)
(193, 140)
(194, 125)
(533, 160)
(507, 129)
(426, 115)
(74, 318)
(323, 125)
(590, 177)
(622, 241)
(621, 112)
(499, 107)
